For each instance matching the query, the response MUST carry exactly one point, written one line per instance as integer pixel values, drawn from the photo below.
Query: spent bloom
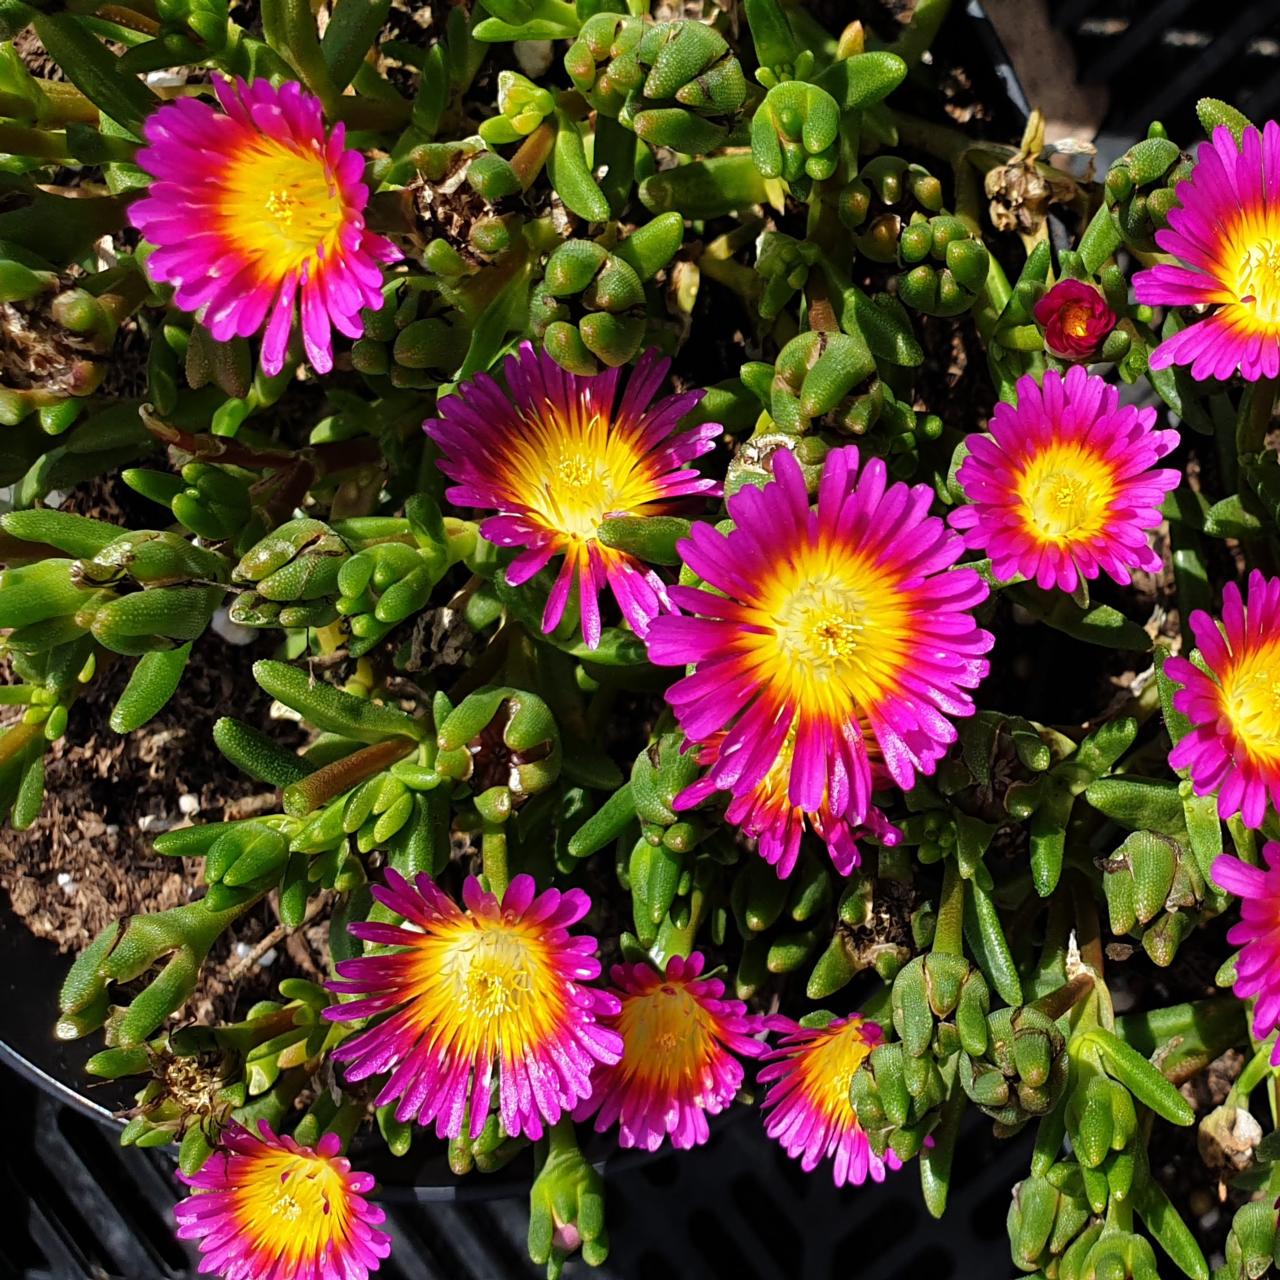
(679, 1038)
(256, 208)
(1257, 935)
(1233, 746)
(265, 1206)
(830, 617)
(497, 989)
(1066, 488)
(807, 1104)
(1226, 230)
(558, 453)
(1075, 319)
(766, 814)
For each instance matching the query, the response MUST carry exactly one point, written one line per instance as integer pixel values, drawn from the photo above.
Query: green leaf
(152, 683)
(73, 535)
(570, 175)
(1214, 112)
(352, 31)
(1141, 1078)
(1100, 624)
(333, 710)
(258, 755)
(1171, 1233)
(95, 70)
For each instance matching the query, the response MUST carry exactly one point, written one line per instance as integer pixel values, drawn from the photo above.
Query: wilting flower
(1075, 319)
(1226, 230)
(495, 989)
(1257, 934)
(556, 457)
(679, 1037)
(830, 617)
(256, 207)
(1233, 747)
(766, 813)
(1065, 489)
(264, 1206)
(808, 1106)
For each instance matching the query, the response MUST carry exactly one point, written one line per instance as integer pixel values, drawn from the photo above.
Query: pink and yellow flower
(497, 988)
(1065, 488)
(556, 455)
(1075, 319)
(255, 208)
(766, 814)
(1257, 935)
(1226, 229)
(264, 1206)
(808, 1106)
(830, 617)
(1233, 746)
(679, 1038)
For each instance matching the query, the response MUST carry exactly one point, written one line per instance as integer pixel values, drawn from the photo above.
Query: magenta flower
(256, 207)
(766, 814)
(829, 617)
(1065, 489)
(1227, 232)
(679, 1038)
(497, 988)
(556, 456)
(266, 1207)
(1075, 319)
(1233, 747)
(1257, 935)
(808, 1106)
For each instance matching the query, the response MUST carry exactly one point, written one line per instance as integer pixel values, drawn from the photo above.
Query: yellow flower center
(827, 1068)
(290, 1205)
(488, 986)
(1258, 277)
(490, 973)
(666, 1035)
(1065, 494)
(574, 470)
(280, 205)
(833, 625)
(1250, 700)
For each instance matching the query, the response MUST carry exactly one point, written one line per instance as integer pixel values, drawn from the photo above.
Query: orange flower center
(828, 1066)
(832, 626)
(280, 205)
(667, 1036)
(290, 1205)
(1075, 320)
(1250, 700)
(484, 985)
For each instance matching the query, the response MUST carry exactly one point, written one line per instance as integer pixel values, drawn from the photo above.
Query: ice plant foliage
(257, 211)
(266, 1208)
(495, 992)
(1233, 704)
(830, 617)
(1257, 935)
(558, 453)
(1075, 318)
(1226, 230)
(1065, 488)
(766, 812)
(807, 1102)
(678, 1065)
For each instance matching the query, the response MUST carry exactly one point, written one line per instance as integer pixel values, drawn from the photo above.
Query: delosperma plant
(663, 750)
